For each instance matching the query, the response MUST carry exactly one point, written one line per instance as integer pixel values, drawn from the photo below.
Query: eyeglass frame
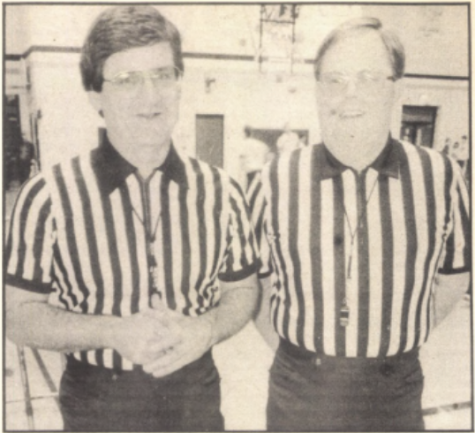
(347, 78)
(143, 74)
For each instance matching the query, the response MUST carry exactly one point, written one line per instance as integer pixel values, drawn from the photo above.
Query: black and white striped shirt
(411, 207)
(256, 201)
(79, 233)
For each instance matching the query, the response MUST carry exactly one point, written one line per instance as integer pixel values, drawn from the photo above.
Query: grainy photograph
(237, 216)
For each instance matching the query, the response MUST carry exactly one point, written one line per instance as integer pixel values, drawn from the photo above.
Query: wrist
(110, 331)
(208, 320)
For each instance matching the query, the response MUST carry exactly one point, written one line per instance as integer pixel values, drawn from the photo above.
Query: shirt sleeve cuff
(241, 274)
(454, 271)
(31, 286)
(266, 274)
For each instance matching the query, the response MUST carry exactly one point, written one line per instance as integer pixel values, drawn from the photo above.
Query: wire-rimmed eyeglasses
(161, 78)
(336, 83)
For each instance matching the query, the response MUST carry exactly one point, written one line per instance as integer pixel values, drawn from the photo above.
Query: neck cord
(150, 237)
(345, 310)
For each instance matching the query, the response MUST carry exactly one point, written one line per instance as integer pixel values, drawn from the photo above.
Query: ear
(95, 100)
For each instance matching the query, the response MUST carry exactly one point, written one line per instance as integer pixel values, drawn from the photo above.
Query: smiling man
(369, 250)
(134, 260)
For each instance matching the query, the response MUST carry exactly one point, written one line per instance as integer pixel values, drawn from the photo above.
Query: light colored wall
(452, 102)
(434, 37)
(67, 123)
(15, 84)
(244, 96)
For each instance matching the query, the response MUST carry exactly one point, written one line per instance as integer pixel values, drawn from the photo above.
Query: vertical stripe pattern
(375, 238)
(88, 249)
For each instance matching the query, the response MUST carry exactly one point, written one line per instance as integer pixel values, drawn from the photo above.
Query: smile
(350, 114)
(149, 116)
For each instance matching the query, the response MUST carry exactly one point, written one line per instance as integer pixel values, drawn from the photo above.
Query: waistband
(306, 355)
(76, 366)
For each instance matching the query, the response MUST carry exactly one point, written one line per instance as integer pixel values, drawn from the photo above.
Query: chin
(152, 138)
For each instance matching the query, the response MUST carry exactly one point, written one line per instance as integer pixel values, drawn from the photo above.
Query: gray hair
(391, 41)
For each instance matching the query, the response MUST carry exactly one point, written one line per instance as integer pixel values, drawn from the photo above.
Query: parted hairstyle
(391, 41)
(121, 28)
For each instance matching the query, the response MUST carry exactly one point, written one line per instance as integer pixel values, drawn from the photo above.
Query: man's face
(140, 116)
(354, 95)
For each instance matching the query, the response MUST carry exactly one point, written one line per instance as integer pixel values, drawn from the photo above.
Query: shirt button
(115, 376)
(318, 361)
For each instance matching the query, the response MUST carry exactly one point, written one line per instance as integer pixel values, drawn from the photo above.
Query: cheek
(382, 108)
(327, 109)
(117, 106)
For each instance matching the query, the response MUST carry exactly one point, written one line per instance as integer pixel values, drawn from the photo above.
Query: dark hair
(122, 28)
(392, 43)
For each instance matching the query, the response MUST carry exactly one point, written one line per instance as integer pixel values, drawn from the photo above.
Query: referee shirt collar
(111, 168)
(386, 163)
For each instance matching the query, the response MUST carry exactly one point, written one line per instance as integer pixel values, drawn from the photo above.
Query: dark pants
(310, 393)
(98, 399)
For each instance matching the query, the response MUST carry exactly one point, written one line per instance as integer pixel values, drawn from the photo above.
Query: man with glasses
(134, 260)
(369, 249)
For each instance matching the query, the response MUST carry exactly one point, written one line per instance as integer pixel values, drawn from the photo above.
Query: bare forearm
(31, 321)
(46, 327)
(449, 289)
(199, 334)
(236, 308)
(262, 319)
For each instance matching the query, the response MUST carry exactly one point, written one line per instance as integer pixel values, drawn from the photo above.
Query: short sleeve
(455, 257)
(29, 248)
(241, 258)
(257, 204)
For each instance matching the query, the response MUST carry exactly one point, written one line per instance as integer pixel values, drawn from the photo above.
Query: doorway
(418, 125)
(210, 138)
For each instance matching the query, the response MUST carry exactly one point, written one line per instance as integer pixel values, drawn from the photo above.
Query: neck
(145, 159)
(356, 153)
(145, 166)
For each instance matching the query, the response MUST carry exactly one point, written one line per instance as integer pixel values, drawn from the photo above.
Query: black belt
(384, 364)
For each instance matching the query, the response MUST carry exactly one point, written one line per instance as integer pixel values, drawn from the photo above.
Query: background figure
(288, 141)
(463, 156)
(447, 146)
(27, 166)
(302, 141)
(253, 155)
(455, 151)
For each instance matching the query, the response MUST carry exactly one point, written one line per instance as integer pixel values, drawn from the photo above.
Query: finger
(159, 305)
(161, 311)
(166, 342)
(171, 368)
(165, 359)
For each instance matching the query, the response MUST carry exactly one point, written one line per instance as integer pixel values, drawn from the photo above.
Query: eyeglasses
(161, 78)
(367, 81)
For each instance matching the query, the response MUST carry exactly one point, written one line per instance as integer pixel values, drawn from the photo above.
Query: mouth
(351, 114)
(149, 116)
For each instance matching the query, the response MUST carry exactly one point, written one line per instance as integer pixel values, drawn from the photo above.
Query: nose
(148, 91)
(351, 87)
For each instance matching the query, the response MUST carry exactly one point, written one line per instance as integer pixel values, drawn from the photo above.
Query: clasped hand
(193, 337)
(161, 340)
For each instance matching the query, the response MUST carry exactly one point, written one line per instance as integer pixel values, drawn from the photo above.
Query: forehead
(357, 51)
(139, 59)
